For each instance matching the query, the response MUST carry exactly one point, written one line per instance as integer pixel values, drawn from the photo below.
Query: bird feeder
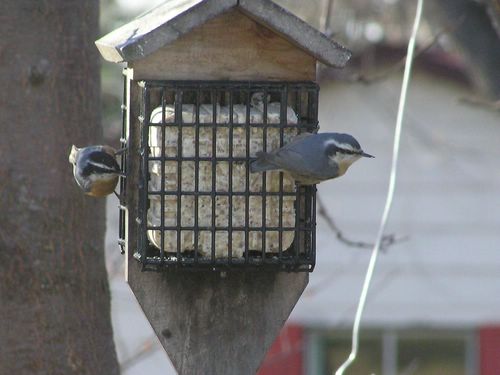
(207, 85)
(202, 206)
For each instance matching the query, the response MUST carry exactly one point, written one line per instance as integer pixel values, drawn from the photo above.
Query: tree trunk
(54, 296)
(475, 37)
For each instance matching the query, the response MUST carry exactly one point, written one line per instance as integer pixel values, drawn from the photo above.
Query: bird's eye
(349, 152)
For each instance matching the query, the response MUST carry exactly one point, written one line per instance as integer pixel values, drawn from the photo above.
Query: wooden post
(208, 322)
(213, 324)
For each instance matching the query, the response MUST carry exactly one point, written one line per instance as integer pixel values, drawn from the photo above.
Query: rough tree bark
(475, 37)
(54, 296)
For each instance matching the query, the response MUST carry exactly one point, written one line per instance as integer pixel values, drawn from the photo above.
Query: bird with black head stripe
(312, 158)
(95, 169)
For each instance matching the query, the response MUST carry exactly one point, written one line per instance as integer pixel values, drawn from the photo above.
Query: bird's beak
(367, 155)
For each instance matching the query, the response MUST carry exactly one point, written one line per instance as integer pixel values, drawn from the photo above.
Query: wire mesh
(123, 166)
(199, 205)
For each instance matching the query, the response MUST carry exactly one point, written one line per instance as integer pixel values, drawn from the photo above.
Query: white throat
(342, 161)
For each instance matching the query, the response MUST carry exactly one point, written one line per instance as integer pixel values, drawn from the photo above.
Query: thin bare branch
(493, 105)
(387, 240)
(146, 349)
(325, 17)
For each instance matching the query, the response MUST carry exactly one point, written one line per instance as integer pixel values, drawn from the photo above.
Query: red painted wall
(286, 354)
(489, 349)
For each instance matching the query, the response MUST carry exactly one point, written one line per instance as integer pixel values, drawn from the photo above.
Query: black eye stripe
(349, 152)
(332, 149)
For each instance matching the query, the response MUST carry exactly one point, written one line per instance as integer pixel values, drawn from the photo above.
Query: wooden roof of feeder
(168, 22)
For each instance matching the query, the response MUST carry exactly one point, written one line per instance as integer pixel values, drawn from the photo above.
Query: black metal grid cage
(199, 205)
(123, 164)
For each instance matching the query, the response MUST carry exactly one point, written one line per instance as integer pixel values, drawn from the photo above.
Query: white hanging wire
(390, 194)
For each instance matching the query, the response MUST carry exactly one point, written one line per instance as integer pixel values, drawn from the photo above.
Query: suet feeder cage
(208, 84)
(202, 206)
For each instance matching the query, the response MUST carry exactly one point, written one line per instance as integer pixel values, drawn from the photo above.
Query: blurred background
(434, 304)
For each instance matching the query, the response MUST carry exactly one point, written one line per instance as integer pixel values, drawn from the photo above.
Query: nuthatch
(312, 158)
(95, 169)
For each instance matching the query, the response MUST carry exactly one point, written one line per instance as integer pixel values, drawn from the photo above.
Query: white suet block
(239, 170)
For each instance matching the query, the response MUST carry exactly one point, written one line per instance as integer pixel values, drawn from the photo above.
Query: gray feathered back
(304, 156)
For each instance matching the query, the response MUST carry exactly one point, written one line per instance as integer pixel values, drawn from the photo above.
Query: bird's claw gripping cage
(199, 206)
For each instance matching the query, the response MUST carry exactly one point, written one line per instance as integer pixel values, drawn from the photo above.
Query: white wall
(447, 202)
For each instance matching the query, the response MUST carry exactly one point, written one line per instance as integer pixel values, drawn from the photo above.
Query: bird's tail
(72, 154)
(264, 162)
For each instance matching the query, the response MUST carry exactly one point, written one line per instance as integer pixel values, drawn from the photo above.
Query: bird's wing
(289, 159)
(302, 157)
(277, 159)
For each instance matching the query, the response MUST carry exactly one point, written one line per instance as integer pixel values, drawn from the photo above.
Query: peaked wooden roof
(172, 19)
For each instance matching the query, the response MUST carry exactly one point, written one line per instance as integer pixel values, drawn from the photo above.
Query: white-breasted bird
(312, 158)
(95, 169)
